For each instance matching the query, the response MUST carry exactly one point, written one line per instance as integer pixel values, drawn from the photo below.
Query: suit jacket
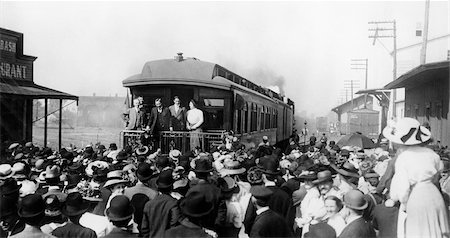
(270, 224)
(280, 202)
(186, 229)
(135, 119)
(119, 233)
(159, 121)
(178, 119)
(71, 230)
(358, 228)
(159, 215)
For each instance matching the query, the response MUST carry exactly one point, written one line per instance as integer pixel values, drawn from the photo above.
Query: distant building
(427, 97)
(17, 90)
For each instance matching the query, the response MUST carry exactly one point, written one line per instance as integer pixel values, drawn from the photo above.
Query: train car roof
(188, 68)
(188, 71)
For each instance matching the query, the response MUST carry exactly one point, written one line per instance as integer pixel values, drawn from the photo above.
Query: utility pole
(380, 28)
(423, 51)
(351, 84)
(361, 64)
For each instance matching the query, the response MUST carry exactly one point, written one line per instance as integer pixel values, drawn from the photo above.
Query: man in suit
(134, 117)
(267, 223)
(159, 119)
(178, 115)
(354, 205)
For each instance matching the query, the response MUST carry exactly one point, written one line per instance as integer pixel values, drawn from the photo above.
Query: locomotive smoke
(267, 78)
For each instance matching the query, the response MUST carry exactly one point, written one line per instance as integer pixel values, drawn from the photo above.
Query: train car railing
(169, 140)
(180, 140)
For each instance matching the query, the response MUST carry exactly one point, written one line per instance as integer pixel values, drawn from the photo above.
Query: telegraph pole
(423, 51)
(380, 28)
(361, 64)
(351, 84)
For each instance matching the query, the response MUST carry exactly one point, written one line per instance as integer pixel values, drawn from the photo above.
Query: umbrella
(358, 140)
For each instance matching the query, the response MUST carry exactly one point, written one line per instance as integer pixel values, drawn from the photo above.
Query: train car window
(222, 73)
(245, 129)
(254, 118)
(267, 123)
(261, 121)
(208, 102)
(239, 122)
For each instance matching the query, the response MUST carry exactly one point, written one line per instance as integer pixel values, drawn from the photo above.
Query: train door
(184, 93)
(216, 106)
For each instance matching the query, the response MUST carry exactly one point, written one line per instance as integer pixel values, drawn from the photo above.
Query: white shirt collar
(261, 210)
(350, 220)
(269, 183)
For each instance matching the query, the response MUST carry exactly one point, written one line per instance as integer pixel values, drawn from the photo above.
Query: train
(229, 102)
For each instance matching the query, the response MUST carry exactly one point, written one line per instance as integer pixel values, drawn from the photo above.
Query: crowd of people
(322, 190)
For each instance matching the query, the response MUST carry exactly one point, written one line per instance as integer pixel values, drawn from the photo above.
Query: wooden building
(18, 90)
(427, 97)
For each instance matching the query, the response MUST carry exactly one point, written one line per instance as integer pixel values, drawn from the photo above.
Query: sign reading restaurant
(13, 64)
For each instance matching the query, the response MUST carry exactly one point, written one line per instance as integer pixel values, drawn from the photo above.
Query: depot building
(18, 90)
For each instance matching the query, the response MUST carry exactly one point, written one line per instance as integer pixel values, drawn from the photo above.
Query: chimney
(179, 57)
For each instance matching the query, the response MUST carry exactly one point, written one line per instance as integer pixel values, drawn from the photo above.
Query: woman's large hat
(231, 167)
(323, 176)
(406, 131)
(196, 204)
(74, 205)
(120, 209)
(348, 169)
(32, 205)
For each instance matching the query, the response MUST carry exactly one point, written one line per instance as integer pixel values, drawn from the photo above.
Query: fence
(169, 140)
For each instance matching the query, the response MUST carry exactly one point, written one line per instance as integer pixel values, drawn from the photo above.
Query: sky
(303, 47)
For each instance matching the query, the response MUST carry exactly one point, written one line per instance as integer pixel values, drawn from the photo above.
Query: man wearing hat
(347, 177)
(141, 193)
(160, 213)
(354, 205)
(74, 207)
(279, 201)
(159, 119)
(267, 222)
(31, 212)
(120, 213)
(196, 208)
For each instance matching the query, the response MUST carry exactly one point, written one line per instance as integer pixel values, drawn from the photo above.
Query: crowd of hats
(25, 168)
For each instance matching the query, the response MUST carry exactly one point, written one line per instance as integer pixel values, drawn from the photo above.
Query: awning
(31, 90)
(421, 74)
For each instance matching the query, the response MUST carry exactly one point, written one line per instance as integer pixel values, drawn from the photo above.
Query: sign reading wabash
(13, 64)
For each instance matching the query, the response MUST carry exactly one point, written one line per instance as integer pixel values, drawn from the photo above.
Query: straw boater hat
(231, 167)
(175, 155)
(406, 131)
(6, 171)
(142, 150)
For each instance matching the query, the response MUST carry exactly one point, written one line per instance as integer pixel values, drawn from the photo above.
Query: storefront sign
(13, 71)
(13, 63)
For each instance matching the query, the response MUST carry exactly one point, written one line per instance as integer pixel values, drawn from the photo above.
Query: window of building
(254, 118)
(239, 122)
(246, 112)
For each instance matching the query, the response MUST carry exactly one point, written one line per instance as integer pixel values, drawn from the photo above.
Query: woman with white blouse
(194, 121)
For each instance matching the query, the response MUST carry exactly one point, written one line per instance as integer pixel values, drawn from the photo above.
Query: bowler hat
(144, 172)
(113, 146)
(165, 179)
(203, 165)
(323, 176)
(9, 186)
(75, 205)
(355, 199)
(122, 155)
(120, 209)
(32, 205)
(270, 167)
(261, 192)
(197, 204)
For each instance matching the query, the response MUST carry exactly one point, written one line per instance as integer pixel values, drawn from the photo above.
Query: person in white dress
(194, 122)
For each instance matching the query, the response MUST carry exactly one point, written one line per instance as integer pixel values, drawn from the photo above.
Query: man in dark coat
(159, 119)
(279, 202)
(267, 222)
(178, 115)
(119, 214)
(161, 213)
(355, 203)
(196, 208)
(74, 208)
